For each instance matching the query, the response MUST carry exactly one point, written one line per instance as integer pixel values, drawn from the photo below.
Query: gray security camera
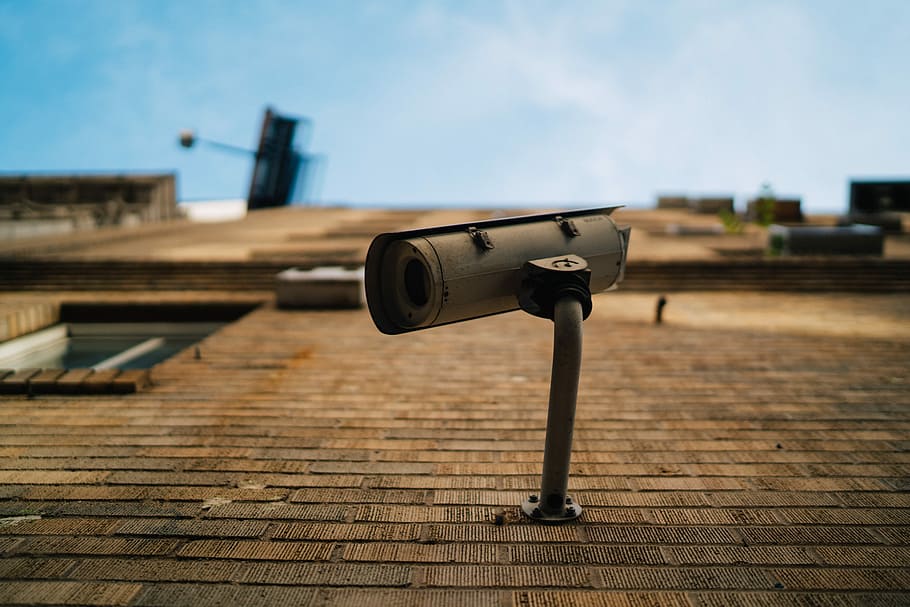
(547, 265)
(435, 276)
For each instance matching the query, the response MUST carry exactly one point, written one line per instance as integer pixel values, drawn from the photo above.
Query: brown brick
(805, 599)
(71, 381)
(422, 514)
(83, 492)
(381, 455)
(256, 550)
(894, 535)
(156, 570)
(44, 381)
(660, 535)
(203, 494)
(808, 535)
(186, 452)
(21, 568)
(608, 483)
(370, 468)
(50, 477)
(101, 382)
(326, 574)
(558, 598)
(279, 511)
(61, 526)
(167, 478)
(645, 499)
(479, 498)
(133, 380)
(655, 483)
(435, 482)
(822, 484)
(216, 595)
(193, 528)
(347, 532)
(68, 593)
(486, 469)
(683, 578)
(840, 579)
(752, 499)
(88, 463)
(17, 383)
(413, 597)
(421, 553)
(862, 556)
(594, 555)
(95, 546)
(488, 533)
(874, 500)
(506, 576)
(736, 555)
(846, 516)
(247, 465)
(627, 516)
(378, 496)
(692, 516)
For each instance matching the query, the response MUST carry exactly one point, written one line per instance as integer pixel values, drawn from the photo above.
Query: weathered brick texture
(304, 458)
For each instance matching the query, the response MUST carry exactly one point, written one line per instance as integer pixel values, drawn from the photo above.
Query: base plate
(532, 509)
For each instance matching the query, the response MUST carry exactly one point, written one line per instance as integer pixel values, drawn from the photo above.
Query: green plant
(765, 205)
(732, 223)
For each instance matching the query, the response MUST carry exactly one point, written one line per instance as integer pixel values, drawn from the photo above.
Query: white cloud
(733, 98)
(522, 101)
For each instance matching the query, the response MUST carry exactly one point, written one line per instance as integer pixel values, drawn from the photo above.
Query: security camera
(547, 265)
(428, 277)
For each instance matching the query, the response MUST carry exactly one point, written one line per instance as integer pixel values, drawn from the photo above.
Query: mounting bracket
(557, 288)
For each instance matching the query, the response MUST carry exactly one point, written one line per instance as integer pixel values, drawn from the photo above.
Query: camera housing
(429, 277)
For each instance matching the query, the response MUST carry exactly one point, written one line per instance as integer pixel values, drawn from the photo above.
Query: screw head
(568, 500)
(533, 499)
(536, 513)
(570, 511)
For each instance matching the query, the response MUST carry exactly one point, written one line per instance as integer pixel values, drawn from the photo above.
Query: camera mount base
(568, 512)
(557, 288)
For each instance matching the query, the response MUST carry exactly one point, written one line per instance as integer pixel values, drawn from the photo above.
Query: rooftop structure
(750, 449)
(35, 205)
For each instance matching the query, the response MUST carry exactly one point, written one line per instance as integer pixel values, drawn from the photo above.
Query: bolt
(533, 499)
(568, 500)
(536, 513)
(570, 511)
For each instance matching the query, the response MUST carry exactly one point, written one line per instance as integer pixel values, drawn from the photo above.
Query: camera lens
(416, 282)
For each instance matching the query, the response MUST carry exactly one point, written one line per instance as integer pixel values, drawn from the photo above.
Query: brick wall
(305, 458)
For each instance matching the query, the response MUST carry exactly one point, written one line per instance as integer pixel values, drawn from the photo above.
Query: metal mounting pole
(554, 505)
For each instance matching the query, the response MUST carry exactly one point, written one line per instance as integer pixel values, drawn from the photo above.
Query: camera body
(435, 276)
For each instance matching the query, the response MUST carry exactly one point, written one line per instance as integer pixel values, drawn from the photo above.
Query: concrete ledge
(818, 240)
(325, 288)
(73, 381)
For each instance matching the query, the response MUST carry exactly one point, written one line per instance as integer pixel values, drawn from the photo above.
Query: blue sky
(469, 102)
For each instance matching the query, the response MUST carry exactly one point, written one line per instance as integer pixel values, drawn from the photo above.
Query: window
(106, 348)
(111, 345)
